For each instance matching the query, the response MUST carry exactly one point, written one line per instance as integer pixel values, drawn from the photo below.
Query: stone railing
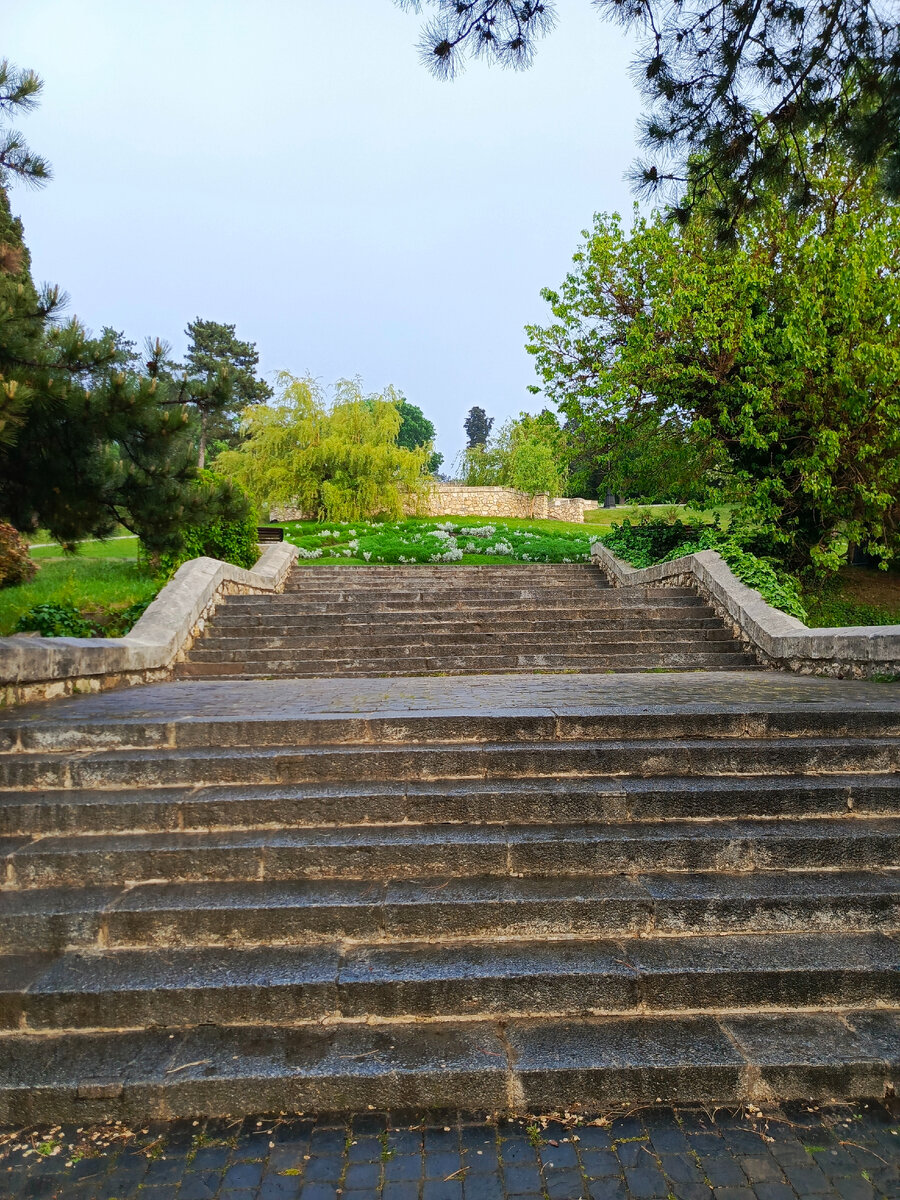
(776, 639)
(36, 668)
(456, 500)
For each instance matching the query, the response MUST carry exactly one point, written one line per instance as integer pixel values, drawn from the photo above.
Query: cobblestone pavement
(846, 1152)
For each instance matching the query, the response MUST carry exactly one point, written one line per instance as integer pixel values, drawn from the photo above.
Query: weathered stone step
(440, 606)
(204, 716)
(496, 653)
(373, 667)
(458, 623)
(315, 569)
(409, 851)
(232, 806)
(521, 1065)
(234, 638)
(309, 912)
(250, 648)
(572, 977)
(402, 761)
(438, 575)
(523, 589)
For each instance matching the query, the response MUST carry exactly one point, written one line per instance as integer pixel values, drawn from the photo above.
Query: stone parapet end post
(36, 668)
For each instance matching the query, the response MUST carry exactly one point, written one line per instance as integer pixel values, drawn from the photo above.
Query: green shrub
(16, 565)
(123, 621)
(55, 620)
(655, 540)
(233, 542)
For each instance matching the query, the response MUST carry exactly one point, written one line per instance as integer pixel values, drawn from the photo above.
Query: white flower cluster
(479, 531)
(454, 554)
(317, 553)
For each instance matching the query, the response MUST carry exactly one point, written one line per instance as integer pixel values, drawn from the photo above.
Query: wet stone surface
(842, 1152)
(549, 695)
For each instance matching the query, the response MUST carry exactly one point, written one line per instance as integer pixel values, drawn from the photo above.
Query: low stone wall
(774, 638)
(36, 668)
(453, 499)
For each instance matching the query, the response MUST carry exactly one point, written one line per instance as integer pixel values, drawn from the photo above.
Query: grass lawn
(121, 544)
(94, 585)
(117, 547)
(857, 596)
(337, 551)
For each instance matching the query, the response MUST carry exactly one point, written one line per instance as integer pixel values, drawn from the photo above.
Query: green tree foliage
(416, 431)
(528, 453)
(233, 540)
(478, 427)
(19, 93)
(830, 68)
(778, 359)
(214, 349)
(338, 461)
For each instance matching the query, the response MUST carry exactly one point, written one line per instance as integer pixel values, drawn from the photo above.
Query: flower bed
(435, 541)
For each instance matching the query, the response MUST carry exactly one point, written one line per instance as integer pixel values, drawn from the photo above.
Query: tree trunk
(201, 457)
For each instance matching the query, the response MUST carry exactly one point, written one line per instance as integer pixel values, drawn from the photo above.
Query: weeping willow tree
(337, 461)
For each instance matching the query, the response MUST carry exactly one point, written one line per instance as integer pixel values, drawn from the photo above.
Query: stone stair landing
(457, 620)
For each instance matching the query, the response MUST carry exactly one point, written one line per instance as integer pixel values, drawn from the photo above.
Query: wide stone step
(524, 643)
(370, 605)
(309, 912)
(524, 589)
(409, 851)
(313, 574)
(513, 664)
(131, 989)
(398, 761)
(456, 654)
(211, 718)
(230, 806)
(458, 624)
(476, 634)
(428, 596)
(532, 1065)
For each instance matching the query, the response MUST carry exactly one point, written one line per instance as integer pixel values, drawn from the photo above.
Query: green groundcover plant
(438, 541)
(656, 540)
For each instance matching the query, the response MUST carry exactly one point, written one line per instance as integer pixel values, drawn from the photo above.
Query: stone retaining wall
(453, 499)
(773, 637)
(38, 668)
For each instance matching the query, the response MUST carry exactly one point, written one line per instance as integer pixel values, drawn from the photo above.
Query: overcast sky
(291, 167)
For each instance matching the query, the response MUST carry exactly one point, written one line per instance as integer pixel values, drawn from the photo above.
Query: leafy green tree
(830, 69)
(478, 427)
(778, 360)
(339, 461)
(415, 431)
(214, 349)
(534, 469)
(528, 453)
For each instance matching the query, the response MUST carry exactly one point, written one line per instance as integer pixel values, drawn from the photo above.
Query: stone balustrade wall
(453, 499)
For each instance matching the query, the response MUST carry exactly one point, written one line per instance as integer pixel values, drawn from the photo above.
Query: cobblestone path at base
(846, 1152)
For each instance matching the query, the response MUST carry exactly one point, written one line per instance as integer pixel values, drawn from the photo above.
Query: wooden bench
(269, 533)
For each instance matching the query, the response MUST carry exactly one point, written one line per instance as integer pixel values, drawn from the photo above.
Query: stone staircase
(552, 892)
(451, 620)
